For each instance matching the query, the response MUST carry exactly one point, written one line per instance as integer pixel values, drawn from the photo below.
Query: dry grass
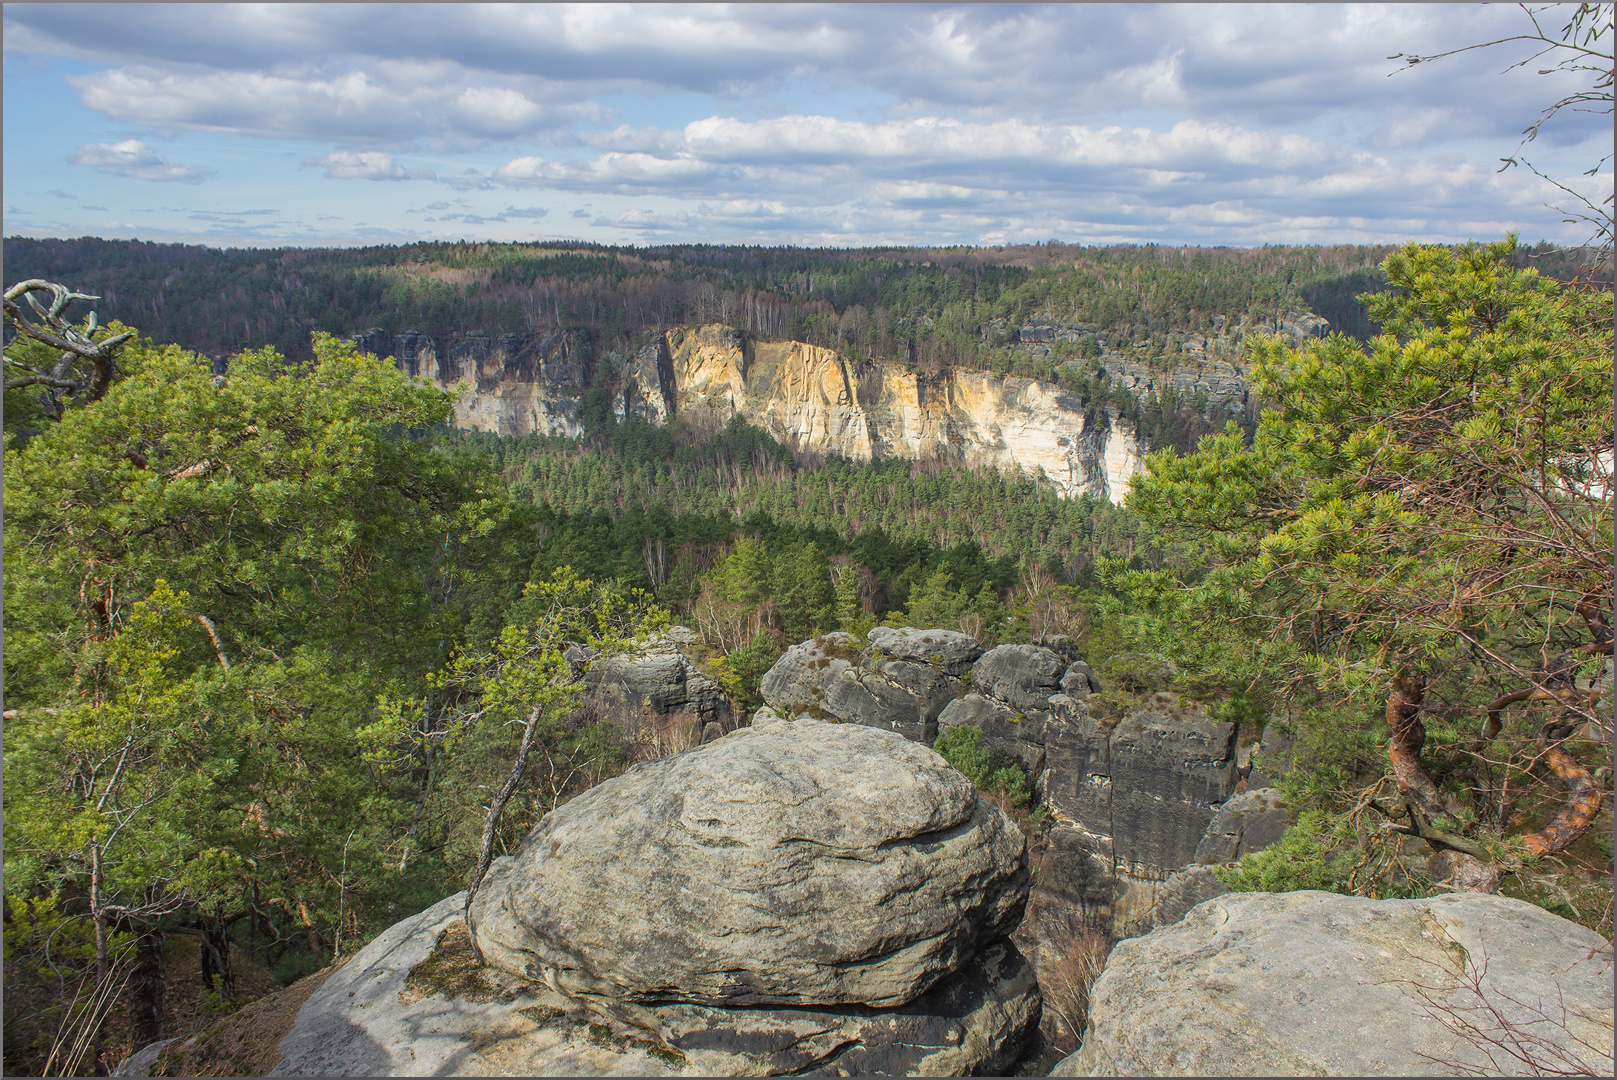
(245, 1043)
(1068, 968)
(657, 737)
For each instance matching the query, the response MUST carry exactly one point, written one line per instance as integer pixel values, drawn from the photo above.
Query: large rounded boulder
(794, 863)
(1316, 984)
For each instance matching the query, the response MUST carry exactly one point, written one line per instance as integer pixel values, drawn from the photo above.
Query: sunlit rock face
(815, 399)
(810, 398)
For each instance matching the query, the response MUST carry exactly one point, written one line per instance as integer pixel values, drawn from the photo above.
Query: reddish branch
(1406, 737)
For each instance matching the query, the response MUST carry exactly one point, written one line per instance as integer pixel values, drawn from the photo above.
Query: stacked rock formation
(657, 680)
(1141, 804)
(794, 897)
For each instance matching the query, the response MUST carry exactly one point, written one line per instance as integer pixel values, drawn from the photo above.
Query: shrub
(992, 772)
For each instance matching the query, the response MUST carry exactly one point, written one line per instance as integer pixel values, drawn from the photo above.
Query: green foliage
(745, 669)
(464, 733)
(937, 603)
(990, 772)
(1383, 499)
(1304, 858)
(208, 581)
(1435, 501)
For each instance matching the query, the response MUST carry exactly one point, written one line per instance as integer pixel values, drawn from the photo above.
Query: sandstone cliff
(513, 384)
(811, 398)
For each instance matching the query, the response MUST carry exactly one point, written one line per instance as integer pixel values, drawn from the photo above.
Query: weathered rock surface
(948, 651)
(1312, 983)
(1079, 681)
(1272, 757)
(831, 678)
(805, 395)
(975, 1022)
(513, 384)
(794, 863)
(1247, 822)
(415, 1003)
(660, 678)
(1133, 799)
(1141, 906)
(1022, 676)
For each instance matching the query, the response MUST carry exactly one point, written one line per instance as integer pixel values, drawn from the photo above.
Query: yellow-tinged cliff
(815, 399)
(810, 398)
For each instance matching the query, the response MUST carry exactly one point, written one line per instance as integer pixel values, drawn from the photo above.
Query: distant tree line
(926, 307)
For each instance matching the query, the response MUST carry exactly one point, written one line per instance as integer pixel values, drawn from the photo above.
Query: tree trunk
(1406, 735)
(1584, 799)
(218, 973)
(147, 991)
(496, 807)
(103, 972)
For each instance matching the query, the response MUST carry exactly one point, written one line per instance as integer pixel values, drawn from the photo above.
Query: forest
(276, 630)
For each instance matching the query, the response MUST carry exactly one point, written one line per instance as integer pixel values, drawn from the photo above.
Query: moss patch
(452, 970)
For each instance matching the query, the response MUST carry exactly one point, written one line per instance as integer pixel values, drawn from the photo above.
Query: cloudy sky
(271, 124)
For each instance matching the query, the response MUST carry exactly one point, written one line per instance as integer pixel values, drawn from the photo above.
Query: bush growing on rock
(992, 772)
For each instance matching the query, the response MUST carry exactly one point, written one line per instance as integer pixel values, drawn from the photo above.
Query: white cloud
(393, 102)
(365, 165)
(491, 71)
(612, 171)
(1223, 123)
(134, 159)
(823, 157)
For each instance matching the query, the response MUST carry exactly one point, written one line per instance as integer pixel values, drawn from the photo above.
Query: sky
(260, 125)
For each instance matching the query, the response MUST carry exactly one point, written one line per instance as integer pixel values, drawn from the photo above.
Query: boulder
(1021, 676)
(796, 863)
(1247, 822)
(830, 677)
(1272, 757)
(657, 677)
(1079, 681)
(947, 650)
(415, 1002)
(975, 1022)
(1313, 983)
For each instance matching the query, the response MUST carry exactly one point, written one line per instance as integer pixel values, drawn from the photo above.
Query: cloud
(103, 209)
(499, 72)
(392, 102)
(365, 165)
(60, 194)
(1221, 123)
(137, 161)
(822, 157)
(534, 212)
